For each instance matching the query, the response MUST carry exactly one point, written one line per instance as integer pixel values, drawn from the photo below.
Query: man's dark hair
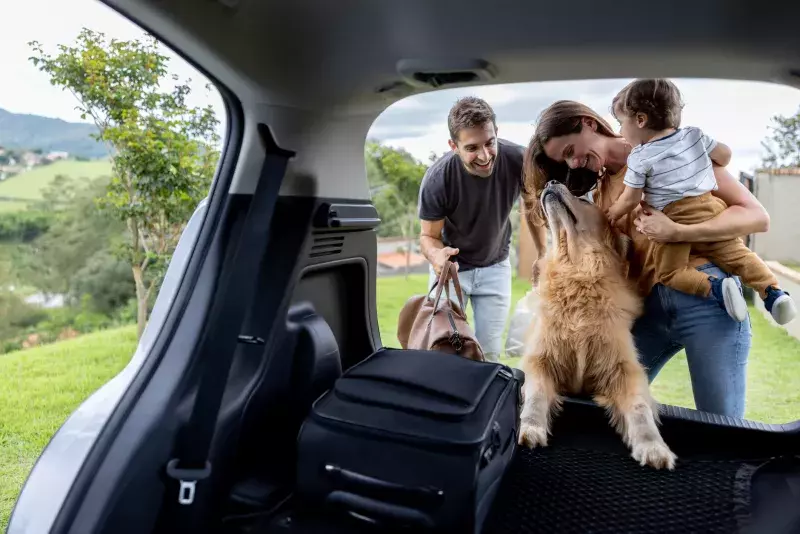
(469, 112)
(658, 98)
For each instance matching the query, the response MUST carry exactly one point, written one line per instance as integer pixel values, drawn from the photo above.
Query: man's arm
(430, 243)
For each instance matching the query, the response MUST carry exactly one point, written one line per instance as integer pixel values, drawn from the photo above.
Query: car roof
(321, 71)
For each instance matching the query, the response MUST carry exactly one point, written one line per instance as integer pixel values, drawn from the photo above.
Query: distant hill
(33, 131)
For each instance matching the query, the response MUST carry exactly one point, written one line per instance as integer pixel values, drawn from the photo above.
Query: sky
(25, 89)
(735, 112)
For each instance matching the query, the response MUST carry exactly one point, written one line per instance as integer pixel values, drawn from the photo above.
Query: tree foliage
(23, 226)
(164, 151)
(783, 144)
(78, 229)
(395, 178)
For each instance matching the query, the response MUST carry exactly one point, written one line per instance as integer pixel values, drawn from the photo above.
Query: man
(464, 203)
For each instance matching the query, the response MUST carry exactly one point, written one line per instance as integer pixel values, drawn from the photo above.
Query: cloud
(737, 113)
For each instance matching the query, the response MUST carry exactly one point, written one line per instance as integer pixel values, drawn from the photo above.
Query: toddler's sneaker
(780, 305)
(727, 294)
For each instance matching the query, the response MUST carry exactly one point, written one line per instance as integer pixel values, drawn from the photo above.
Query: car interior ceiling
(301, 70)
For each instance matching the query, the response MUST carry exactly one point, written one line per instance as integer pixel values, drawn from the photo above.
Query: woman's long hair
(561, 118)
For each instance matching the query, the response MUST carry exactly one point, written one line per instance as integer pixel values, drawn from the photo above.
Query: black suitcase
(411, 438)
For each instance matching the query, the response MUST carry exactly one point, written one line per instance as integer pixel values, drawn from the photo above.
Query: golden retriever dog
(580, 341)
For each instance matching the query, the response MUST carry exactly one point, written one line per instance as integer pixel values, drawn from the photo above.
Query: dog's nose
(552, 182)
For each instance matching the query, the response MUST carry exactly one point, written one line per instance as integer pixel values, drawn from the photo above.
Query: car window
(109, 141)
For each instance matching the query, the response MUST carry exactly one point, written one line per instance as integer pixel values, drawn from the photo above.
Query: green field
(42, 386)
(29, 185)
(12, 205)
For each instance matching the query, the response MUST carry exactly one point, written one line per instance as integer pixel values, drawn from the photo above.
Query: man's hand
(441, 256)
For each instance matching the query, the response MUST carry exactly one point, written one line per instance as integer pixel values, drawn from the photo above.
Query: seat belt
(232, 300)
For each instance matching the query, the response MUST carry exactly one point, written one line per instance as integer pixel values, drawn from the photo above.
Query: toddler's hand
(612, 214)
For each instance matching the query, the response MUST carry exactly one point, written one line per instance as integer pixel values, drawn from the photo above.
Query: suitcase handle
(413, 495)
(372, 510)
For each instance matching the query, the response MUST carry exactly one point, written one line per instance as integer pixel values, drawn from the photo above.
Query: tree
(164, 152)
(77, 230)
(783, 145)
(398, 177)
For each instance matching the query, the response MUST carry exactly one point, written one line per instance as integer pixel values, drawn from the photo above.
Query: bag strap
(457, 285)
(234, 296)
(449, 272)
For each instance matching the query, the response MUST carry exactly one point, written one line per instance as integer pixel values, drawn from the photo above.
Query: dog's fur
(580, 341)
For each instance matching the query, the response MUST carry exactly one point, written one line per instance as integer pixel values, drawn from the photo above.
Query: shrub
(23, 226)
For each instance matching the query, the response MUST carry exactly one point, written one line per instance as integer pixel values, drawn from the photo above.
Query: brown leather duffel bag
(425, 324)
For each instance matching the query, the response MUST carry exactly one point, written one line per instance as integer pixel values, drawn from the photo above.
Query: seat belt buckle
(187, 478)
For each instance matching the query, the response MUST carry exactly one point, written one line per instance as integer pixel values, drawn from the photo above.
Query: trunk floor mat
(566, 490)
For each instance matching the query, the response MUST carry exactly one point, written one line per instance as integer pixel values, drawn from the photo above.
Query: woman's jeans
(716, 346)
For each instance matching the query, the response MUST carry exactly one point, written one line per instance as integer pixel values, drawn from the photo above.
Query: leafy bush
(107, 282)
(24, 226)
(81, 318)
(17, 316)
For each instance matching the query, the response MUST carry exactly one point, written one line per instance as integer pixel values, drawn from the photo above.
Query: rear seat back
(309, 355)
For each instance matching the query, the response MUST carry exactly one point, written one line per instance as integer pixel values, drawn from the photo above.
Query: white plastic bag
(521, 320)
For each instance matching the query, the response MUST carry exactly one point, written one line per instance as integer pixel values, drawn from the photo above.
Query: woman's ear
(590, 123)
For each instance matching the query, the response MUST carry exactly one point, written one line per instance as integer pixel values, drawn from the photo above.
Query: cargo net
(559, 490)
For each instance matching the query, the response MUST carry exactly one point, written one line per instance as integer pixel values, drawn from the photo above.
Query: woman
(572, 142)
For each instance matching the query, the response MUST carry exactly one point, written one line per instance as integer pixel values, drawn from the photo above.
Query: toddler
(672, 167)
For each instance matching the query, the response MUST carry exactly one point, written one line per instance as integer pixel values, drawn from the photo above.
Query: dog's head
(582, 236)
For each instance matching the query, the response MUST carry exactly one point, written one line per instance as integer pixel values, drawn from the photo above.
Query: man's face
(477, 148)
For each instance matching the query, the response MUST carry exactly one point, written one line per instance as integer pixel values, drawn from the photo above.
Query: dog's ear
(622, 244)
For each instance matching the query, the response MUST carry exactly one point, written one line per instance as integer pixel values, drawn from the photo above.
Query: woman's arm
(745, 215)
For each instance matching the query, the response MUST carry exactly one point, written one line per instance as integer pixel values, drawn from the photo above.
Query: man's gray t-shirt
(475, 210)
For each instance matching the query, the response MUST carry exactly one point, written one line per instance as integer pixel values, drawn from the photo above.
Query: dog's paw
(532, 435)
(655, 454)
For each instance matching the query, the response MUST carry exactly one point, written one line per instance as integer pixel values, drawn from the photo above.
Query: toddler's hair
(658, 98)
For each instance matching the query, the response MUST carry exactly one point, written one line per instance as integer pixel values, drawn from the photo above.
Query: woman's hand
(655, 225)
(744, 215)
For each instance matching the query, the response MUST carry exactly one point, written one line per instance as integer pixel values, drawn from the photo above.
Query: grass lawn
(42, 386)
(773, 367)
(29, 185)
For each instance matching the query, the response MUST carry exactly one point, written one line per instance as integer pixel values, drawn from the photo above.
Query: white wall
(780, 195)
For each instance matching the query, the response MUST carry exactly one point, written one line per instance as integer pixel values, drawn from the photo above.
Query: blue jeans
(489, 289)
(716, 346)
